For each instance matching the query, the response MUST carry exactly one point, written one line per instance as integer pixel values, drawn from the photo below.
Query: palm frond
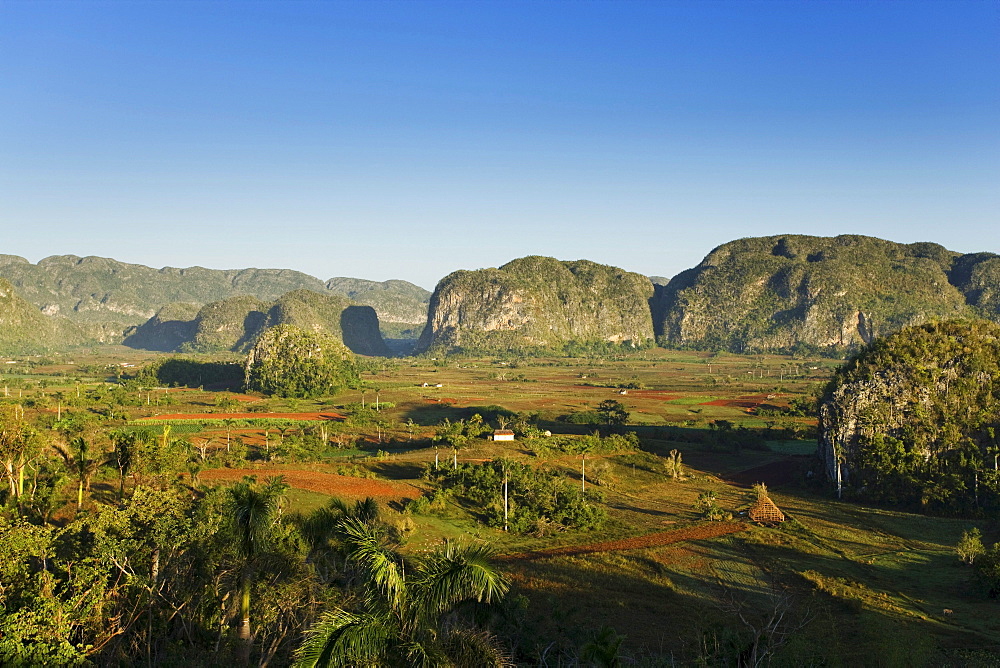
(341, 638)
(454, 574)
(367, 510)
(380, 565)
(339, 505)
(253, 512)
(320, 526)
(426, 655)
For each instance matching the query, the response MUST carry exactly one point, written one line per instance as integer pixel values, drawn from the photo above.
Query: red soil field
(246, 416)
(702, 531)
(324, 483)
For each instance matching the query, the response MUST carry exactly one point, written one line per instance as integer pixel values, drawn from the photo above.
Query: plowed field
(699, 532)
(324, 483)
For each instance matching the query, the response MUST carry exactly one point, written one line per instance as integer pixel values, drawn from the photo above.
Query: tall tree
(79, 457)
(254, 512)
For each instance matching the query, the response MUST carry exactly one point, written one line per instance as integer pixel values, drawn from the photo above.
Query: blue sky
(409, 139)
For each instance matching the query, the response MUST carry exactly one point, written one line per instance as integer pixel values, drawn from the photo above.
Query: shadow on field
(398, 470)
(433, 413)
(644, 511)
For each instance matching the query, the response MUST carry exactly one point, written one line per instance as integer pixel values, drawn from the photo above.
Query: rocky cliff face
(977, 275)
(776, 293)
(356, 325)
(538, 302)
(914, 417)
(170, 328)
(234, 324)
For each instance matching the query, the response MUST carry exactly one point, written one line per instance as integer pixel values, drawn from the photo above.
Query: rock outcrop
(395, 301)
(538, 302)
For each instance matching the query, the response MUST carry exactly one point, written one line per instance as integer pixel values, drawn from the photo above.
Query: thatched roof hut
(765, 512)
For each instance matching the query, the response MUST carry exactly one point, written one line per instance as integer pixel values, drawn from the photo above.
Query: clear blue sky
(409, 139)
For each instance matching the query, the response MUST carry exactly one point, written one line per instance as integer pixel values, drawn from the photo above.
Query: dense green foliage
(777, 293)
(148, 581)
(915, 419)
(292, 362)
(408, 614)
(539, 501)
(538, 303)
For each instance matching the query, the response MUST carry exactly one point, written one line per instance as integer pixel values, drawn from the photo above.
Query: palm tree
(253, 513)
(79, 459)
(402, 609)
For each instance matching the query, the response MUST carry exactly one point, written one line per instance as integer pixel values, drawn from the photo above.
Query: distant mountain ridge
(762, 294)
(104, 290)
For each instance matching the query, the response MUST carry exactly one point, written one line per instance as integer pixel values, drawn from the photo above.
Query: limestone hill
(25, 329)
(786, 292)
(538, 302)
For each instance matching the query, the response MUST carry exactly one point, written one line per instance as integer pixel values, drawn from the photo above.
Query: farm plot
(323, 483)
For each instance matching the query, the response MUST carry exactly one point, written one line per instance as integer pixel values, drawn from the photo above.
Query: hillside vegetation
(914, 419)
(24, 329)
(395, 301)
(538, 302)
(783, 292)
(787, 293)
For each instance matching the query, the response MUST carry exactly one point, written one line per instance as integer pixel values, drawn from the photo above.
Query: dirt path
(324, 483)
(702, 531)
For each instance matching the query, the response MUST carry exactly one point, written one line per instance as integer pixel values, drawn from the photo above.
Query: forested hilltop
(118, 294)
(913, 420)
(800, 292)
(539, 302)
